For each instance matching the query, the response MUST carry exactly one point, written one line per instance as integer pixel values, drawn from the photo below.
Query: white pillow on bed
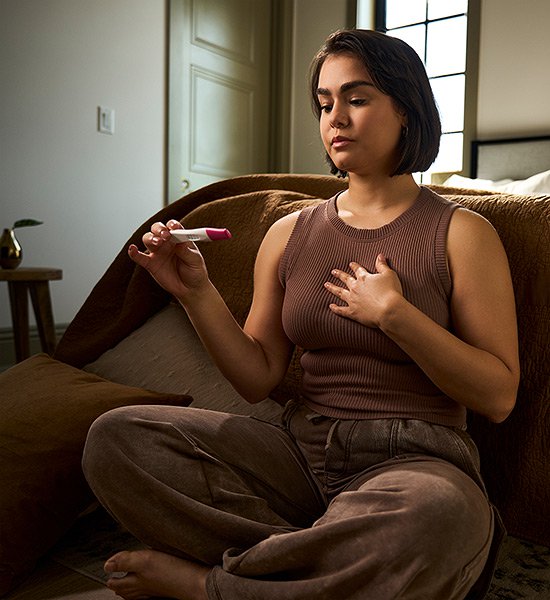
(474, 184)
(536, 184)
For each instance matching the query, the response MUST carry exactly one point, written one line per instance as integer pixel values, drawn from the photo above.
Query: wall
(59, 60)
(514, 86)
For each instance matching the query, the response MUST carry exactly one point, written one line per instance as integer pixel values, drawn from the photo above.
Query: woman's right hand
(177, 267)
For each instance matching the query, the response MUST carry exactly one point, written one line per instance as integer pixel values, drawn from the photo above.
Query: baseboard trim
(7, 347)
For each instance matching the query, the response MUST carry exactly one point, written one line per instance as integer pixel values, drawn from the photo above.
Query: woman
(404, 306)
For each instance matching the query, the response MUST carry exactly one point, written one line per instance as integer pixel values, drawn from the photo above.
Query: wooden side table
(34, 280)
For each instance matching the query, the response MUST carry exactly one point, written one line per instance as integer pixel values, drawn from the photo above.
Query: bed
(513, 165)
(514, 158)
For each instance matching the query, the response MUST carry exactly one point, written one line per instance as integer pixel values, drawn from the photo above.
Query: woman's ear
(402, 113)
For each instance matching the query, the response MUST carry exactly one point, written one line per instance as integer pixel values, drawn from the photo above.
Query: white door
(219, 91)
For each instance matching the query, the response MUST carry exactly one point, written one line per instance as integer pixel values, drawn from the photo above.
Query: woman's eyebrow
(345, 87)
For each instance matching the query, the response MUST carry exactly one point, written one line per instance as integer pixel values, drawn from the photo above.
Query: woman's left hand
(367, 296)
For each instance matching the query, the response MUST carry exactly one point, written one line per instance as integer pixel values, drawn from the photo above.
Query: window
(437, 30)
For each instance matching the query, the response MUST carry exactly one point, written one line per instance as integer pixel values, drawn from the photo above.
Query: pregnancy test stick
(203, 234)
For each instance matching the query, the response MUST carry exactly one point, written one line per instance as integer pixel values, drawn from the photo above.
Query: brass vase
(11, 254)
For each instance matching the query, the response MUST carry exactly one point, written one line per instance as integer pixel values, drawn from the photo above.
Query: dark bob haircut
(396, 70)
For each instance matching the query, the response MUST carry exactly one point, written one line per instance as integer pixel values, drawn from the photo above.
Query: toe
(120, 562)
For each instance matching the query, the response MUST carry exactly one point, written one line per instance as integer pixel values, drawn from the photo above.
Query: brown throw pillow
(46, 409)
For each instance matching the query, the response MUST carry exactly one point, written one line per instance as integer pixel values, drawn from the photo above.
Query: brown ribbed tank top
(352, 371)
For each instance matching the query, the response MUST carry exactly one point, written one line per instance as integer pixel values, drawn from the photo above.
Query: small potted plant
(11, 253)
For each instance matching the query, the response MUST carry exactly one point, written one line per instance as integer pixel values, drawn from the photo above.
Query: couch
(130, 343)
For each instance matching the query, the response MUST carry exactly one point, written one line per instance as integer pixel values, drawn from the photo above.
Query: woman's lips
(339, 141)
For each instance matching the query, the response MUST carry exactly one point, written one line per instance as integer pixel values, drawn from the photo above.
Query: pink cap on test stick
(218, 234)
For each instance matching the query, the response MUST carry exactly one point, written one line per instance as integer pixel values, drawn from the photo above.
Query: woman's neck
(373, 202)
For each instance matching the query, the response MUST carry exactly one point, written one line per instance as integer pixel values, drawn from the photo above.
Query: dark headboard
(516, 158)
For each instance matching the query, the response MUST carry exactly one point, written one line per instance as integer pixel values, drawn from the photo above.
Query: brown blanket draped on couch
(515, 454)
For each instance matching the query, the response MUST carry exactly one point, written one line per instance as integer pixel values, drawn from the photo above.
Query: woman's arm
(254, 358)
(477, 365)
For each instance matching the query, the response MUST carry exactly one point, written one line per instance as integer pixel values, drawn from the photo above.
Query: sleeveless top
(351, 371)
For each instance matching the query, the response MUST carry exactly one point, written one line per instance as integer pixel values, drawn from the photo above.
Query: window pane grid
(450, 74)
(425, 21)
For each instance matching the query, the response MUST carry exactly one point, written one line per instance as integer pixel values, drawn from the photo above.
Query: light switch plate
(105, 120)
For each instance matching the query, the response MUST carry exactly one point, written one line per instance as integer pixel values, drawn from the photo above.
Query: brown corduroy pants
(316, 508)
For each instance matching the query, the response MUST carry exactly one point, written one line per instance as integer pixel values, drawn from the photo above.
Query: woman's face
(360, 125)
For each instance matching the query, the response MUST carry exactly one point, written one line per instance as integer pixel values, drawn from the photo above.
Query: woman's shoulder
(283, 233)
(467, 223)
(471, 239)
(279, 233)
(287, 222)
(284, 226)
(464, 222)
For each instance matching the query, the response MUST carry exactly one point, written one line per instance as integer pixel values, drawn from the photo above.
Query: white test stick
(202, 234)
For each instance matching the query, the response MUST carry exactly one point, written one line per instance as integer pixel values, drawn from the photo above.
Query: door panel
(226, 28)
(219, 91)
(222, 147)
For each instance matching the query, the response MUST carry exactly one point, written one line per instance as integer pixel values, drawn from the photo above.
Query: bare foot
(153, 574)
